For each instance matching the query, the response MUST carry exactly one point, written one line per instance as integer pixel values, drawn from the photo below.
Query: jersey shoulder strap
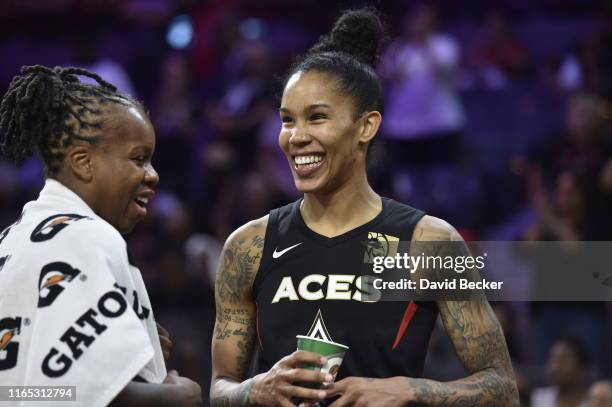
(280, 221)
(401, 219)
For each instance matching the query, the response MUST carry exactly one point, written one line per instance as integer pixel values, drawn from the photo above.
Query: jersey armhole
(417, 215)
(269, 238)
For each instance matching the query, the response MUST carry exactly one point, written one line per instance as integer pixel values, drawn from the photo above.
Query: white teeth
(307, 159)
(142, 201)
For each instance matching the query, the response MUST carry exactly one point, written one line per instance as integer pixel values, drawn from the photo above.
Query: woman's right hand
(278, 385)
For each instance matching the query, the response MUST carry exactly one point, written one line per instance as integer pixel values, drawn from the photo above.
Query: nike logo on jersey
(277, 254)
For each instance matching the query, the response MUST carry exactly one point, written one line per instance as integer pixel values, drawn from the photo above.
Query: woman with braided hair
(298, 271)
(74, 311)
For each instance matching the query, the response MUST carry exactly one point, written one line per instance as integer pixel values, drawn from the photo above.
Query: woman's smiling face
(124, 175)
(319, 133)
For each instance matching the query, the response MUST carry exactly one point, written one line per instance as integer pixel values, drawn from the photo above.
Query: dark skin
(109, 176)
(317, 119)
(165, 341)
(567, 374)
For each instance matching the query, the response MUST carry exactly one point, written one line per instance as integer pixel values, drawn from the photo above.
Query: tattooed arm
(478, 341)
(234, 335)
(476, 336)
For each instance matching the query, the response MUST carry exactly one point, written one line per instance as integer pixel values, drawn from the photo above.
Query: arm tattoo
(480, 344)
(245, 345)
(233, 396)
(242, 331)
(235, 329)
(478, 341)
(237, 268)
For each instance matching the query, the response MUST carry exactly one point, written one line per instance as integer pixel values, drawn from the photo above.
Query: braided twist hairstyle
(45, 110)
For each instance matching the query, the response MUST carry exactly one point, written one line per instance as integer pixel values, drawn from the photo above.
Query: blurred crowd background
(497, 119)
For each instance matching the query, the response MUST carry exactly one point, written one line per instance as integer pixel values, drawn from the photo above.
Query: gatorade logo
(54, 277)
(82, 333)
(141, 311)
(51, 226)
(9, 348)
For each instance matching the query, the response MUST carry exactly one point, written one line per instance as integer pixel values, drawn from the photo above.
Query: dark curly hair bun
(349, 54)
(359, 33)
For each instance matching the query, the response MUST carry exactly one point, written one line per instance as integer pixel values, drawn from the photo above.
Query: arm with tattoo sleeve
(234, 334)
(478, 340)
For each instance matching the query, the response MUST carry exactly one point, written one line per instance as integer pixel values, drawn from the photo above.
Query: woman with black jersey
(292, 269)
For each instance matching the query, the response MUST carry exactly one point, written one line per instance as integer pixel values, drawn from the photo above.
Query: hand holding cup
(332, 351)
(287, 379)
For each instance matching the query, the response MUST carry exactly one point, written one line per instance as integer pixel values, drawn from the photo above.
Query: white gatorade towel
(73, 311)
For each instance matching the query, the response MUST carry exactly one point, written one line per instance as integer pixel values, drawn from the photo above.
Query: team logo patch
(51, 226)
(52, 281)
(9, 348)
(379, 245)
(318, 329)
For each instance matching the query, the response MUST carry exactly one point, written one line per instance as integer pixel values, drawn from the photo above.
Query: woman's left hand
(363, 391)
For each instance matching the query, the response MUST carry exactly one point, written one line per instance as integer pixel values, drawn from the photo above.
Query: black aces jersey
(309, 284)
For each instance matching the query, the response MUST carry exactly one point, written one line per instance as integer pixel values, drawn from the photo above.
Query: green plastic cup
(334, 352)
